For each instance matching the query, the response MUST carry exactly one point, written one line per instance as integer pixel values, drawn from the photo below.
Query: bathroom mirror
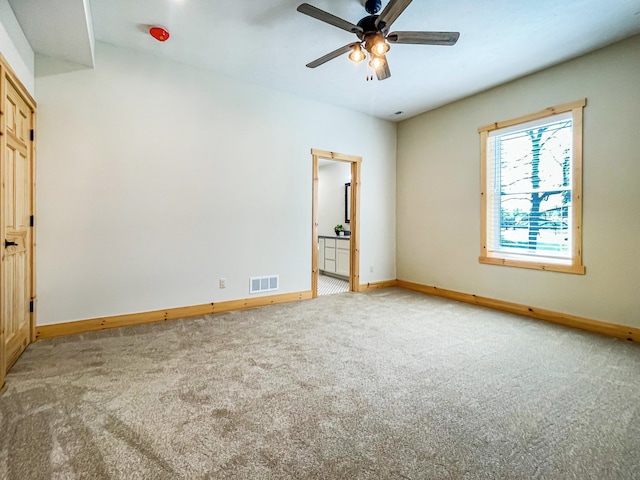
(347, 202)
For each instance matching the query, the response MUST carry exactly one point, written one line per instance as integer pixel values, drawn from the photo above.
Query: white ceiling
(61, 29)
(269, 43)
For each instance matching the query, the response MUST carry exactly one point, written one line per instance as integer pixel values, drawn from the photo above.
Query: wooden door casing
(354, 246)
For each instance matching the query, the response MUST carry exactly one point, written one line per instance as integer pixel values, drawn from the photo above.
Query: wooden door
(15, 221)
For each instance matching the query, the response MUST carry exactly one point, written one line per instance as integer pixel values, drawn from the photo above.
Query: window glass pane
(531, 185)
(545, 232)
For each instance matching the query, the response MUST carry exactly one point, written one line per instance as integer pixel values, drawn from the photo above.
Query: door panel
(16, 247)
(342, 262)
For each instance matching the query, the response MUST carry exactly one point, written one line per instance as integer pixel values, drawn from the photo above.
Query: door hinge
(31, 306)
(31, 221)
(32, 135)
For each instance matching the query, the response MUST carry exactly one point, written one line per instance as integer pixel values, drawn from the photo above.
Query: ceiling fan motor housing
(368, 25)
(373, 6)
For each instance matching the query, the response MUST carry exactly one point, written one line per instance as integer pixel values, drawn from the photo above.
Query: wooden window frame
(500, 258)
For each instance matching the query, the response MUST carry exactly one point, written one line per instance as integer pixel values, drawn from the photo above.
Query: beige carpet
(385, 385)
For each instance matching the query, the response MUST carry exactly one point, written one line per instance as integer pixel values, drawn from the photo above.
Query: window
(532, 190)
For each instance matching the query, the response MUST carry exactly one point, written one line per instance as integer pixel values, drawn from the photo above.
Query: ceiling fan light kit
(373, 34)
(377, 62)
(357, 55)
(376, 44)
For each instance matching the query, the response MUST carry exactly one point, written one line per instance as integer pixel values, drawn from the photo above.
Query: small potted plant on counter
(339, 229)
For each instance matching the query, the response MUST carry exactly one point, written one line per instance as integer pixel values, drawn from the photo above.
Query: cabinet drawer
(343, 244)
(330, 242)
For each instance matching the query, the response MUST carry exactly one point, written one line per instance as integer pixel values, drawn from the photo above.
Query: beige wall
(438, 205)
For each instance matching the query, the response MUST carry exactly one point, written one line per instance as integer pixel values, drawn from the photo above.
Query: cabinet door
(330, 265)
(321, 254)
(342, 262)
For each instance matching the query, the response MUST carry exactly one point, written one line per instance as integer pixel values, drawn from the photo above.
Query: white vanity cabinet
(333, 255)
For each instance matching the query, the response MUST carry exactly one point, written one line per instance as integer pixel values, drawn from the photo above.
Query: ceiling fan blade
(383, 72)
(332, 55)
(326, 17)
(424, 38)
(390, 13)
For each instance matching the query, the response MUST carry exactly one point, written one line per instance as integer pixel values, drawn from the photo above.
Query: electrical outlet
(223, 283)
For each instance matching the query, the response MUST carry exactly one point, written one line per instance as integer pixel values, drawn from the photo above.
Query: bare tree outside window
(535, 188)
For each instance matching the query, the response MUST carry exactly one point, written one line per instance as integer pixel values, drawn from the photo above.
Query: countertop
(346, 237)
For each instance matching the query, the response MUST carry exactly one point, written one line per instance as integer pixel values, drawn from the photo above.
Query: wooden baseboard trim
(573, 321)
(94, 324)
(366, 287)
(103, 323)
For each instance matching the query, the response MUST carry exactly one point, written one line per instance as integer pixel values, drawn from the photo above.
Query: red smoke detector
(159, 33)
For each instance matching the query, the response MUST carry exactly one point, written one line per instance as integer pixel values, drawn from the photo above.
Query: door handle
(8, 244)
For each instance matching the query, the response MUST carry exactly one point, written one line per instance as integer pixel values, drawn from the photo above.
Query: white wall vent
(267, 283)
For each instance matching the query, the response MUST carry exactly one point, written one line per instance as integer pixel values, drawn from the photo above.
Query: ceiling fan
(373, 34)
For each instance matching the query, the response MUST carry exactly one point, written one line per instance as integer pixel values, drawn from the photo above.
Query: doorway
(352, 213)
(16, 218)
